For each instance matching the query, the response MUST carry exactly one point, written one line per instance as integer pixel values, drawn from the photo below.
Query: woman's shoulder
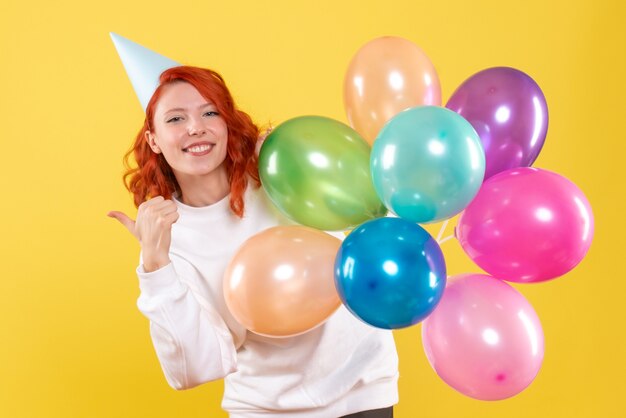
(259, 204)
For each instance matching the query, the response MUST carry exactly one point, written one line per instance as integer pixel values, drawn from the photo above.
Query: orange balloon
(280, 283)
(386, 76)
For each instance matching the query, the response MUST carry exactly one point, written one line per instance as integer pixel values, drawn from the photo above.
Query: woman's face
(189, 132)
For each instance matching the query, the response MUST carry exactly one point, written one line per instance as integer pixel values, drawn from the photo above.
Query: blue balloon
(427, 164)
(390, 273)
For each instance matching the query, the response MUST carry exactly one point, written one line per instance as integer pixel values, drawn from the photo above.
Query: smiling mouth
(199, 148)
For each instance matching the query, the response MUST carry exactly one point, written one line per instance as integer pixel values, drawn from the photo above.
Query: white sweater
(341, 367)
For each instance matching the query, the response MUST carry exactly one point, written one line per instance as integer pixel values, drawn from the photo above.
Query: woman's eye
(174, 119)
(211, 113)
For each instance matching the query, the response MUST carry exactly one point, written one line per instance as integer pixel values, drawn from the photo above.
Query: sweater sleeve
(191, 340)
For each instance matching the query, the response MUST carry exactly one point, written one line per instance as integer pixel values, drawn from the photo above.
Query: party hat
(143, 67)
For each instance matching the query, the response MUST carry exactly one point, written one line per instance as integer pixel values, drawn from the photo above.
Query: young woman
(198, 191)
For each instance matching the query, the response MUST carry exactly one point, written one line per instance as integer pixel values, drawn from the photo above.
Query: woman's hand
(153, 229)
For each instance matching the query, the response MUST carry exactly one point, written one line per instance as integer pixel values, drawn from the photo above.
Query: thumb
(124, 220)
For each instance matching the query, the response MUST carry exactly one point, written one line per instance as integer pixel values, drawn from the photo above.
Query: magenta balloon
(527, 225)
(508, 111)
(484, 339)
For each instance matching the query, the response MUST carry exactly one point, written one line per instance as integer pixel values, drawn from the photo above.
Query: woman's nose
(196, 127)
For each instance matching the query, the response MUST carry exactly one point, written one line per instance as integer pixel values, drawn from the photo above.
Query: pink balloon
(527, 225)
(484, 339)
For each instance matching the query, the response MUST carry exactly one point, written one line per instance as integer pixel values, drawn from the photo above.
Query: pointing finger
(124, 220)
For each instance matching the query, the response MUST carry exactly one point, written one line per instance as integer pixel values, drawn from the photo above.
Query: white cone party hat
(143, 67)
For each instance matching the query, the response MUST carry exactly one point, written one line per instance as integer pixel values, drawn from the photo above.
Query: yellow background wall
(72, 341)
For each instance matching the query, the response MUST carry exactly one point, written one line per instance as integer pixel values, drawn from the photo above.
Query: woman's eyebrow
(176, 109)
(182, 109)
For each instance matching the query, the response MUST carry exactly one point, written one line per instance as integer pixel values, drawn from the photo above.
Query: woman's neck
(199, 191)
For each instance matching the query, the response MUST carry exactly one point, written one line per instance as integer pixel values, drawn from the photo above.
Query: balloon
(390, 273)
(427, 164)
(280, 281)
(484, 339)
(386, 76)
(316, 171)
(527, 225)
(509, 112)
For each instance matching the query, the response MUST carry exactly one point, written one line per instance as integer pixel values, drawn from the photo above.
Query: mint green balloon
(316, 171)
(427, 164)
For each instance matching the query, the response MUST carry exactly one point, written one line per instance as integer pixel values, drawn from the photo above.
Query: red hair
(154, 177)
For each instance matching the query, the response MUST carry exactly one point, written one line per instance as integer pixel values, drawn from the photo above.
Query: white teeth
(199, 148)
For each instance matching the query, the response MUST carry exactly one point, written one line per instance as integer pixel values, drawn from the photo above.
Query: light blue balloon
(427, 164)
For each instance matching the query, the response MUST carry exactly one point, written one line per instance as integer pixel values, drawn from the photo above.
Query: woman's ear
(150, 139)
